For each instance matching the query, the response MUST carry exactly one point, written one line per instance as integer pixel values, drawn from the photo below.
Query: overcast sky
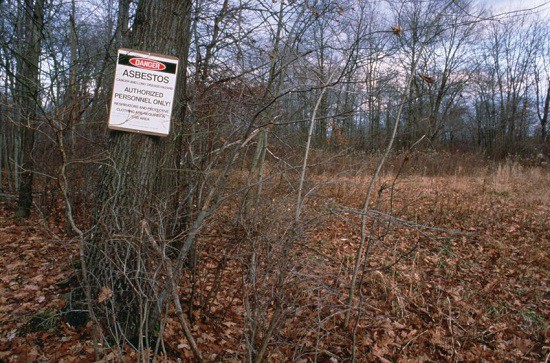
(515, 4)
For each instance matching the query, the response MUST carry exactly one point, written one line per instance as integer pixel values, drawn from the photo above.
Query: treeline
(481, 79)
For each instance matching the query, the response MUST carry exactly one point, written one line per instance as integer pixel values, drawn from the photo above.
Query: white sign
(143, 92)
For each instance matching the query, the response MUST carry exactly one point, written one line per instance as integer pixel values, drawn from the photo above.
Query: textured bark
(135, 188)
(122, 21)
(28, 86)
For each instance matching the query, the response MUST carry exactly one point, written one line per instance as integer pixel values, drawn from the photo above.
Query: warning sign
(143, 92)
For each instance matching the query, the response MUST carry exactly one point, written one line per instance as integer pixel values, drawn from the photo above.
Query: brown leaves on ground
(465, 298)
(471, 297)
(33, 266)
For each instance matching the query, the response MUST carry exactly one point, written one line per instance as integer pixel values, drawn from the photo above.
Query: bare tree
(510, 51)
(542, 82)
(28, 87)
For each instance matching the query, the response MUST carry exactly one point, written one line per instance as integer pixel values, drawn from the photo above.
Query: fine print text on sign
(143, 92)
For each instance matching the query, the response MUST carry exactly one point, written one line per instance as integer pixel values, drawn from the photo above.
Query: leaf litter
(481, 296)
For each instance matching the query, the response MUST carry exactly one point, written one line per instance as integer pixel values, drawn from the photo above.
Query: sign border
(134, 131)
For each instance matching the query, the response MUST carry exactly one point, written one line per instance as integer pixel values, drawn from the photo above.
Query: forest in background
(481, 79)
(373, 140)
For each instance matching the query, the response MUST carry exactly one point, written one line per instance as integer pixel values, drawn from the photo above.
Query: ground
(461, 275)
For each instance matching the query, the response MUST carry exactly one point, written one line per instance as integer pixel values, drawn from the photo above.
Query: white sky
(507, 5)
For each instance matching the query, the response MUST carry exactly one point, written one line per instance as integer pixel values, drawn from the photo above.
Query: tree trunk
(28, 87)
(122, 21)
(544, 118)
(134, 191)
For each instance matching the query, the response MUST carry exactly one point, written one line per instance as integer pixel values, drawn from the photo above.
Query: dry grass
(428, 295)
(453, 297)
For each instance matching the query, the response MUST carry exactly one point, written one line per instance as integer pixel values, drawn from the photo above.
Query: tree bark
(134, 189)
(28, 87)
